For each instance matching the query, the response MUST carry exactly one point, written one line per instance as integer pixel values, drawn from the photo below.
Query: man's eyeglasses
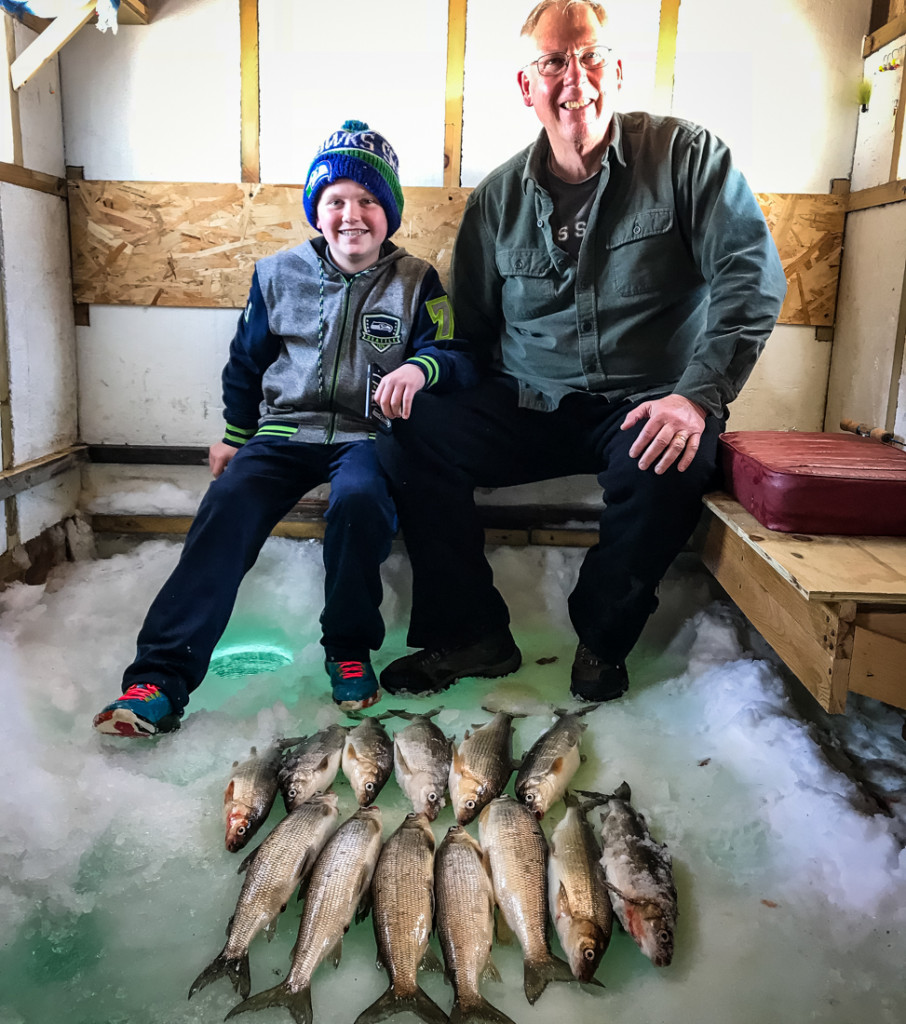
(552, 65)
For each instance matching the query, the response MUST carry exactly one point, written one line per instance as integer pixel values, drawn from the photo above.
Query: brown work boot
(434, 669)
(595, 680)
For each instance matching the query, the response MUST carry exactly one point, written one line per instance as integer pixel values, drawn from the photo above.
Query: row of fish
(424, 760)
(570, 879)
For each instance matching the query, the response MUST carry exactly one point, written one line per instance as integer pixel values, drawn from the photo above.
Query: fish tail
(390, 1004)
(298, 1003)
(235, 968)
(539, 974)
(479, 1011)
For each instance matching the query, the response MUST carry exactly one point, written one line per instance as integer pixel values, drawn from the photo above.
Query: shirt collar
(537, 159)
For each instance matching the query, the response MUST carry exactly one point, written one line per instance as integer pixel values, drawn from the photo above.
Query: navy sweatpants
(262, 482)
(481, 438)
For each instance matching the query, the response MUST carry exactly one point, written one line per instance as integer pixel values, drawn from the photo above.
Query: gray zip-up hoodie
(299, 359)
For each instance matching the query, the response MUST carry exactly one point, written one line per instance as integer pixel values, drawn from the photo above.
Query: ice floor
(787, 830)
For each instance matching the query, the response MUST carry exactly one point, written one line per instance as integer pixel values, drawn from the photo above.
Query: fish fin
(270, 929)
(231, 788)
(502, 929)
(570, 798)
(490, 972)
(229, 925)
(556, 766)
(537, 976)
(563, 909)
(400, 713)
(593, 981)
(480, 1011)
(294, 741)
(400, 759)
(456, 764)
(351, 751)
(298, 1003)
(595, 799)
(430, 961)
(248, 860)
(336, 953)
(390, 1004)
(234, 968)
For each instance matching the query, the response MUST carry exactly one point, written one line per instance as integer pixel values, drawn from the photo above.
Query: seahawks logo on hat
(381, 330)
(317, 173)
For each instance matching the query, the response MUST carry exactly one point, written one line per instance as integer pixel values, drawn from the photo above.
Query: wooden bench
(834, 608)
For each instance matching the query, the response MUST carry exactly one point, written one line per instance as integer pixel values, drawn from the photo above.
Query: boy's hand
(219, 456)
(396, 390)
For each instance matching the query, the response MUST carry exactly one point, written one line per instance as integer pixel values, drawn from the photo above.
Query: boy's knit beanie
(358, 153)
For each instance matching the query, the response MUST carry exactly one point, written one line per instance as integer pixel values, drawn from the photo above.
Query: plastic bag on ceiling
(106, 9)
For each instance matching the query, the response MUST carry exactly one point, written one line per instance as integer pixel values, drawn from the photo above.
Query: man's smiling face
(575, 107)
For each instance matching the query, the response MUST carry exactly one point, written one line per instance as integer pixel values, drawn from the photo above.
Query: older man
(620, 280)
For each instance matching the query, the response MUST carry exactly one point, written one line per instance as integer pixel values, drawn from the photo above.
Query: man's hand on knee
(673, 431)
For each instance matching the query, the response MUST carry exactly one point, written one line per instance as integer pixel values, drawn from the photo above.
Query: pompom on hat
(365, 157)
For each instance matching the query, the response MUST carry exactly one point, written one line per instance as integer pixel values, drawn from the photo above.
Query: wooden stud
(9, 27)
(898, 130)
(456, 58)
(134, 12)
(37, 180)
(49, 43)
(37, 471)
(886, 34)
(665, 67)
(250, 98)
(877, 195)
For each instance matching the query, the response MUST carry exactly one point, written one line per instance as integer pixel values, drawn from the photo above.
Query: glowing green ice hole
(240, 660)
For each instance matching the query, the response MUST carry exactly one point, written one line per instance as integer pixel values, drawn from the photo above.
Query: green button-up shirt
(677, 286)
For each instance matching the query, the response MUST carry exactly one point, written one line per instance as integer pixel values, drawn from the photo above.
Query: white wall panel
(384, 64)
(152, 376)
(786, 390)
(777, 82)
(47, 504)
(41, 113)
(874, 139)
(156, 102)
(39, 324)
(871, 286)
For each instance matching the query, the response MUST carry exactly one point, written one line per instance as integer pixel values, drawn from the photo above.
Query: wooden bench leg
(814, 638)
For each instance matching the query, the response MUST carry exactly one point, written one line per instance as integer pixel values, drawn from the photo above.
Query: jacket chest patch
(381, 330)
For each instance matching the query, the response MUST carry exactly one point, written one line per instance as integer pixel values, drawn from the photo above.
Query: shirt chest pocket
(647, 254)
(528, 285)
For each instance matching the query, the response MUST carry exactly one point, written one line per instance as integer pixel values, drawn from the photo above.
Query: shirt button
(540, 223)
(636, 230)
(518, 264)
(586, 326)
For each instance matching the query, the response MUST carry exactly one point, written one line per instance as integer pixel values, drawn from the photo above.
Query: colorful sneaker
(143, 710)
(354, 684)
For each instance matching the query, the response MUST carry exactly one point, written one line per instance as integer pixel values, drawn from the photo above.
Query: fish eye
(470, 805)
(432, 798)
(589, 954)
(369, 787)
(665, 936)
(292, 793)
(241, 830)
(529, 798)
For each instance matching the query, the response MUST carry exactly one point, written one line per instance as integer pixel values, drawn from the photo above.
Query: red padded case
(817, 483)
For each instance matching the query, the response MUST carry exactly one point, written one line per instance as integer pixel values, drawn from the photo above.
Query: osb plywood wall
(166, 244)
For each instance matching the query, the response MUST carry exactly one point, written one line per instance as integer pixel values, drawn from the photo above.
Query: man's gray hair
(562, 6)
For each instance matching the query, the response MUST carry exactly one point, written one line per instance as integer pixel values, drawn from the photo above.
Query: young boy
(294, 395)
